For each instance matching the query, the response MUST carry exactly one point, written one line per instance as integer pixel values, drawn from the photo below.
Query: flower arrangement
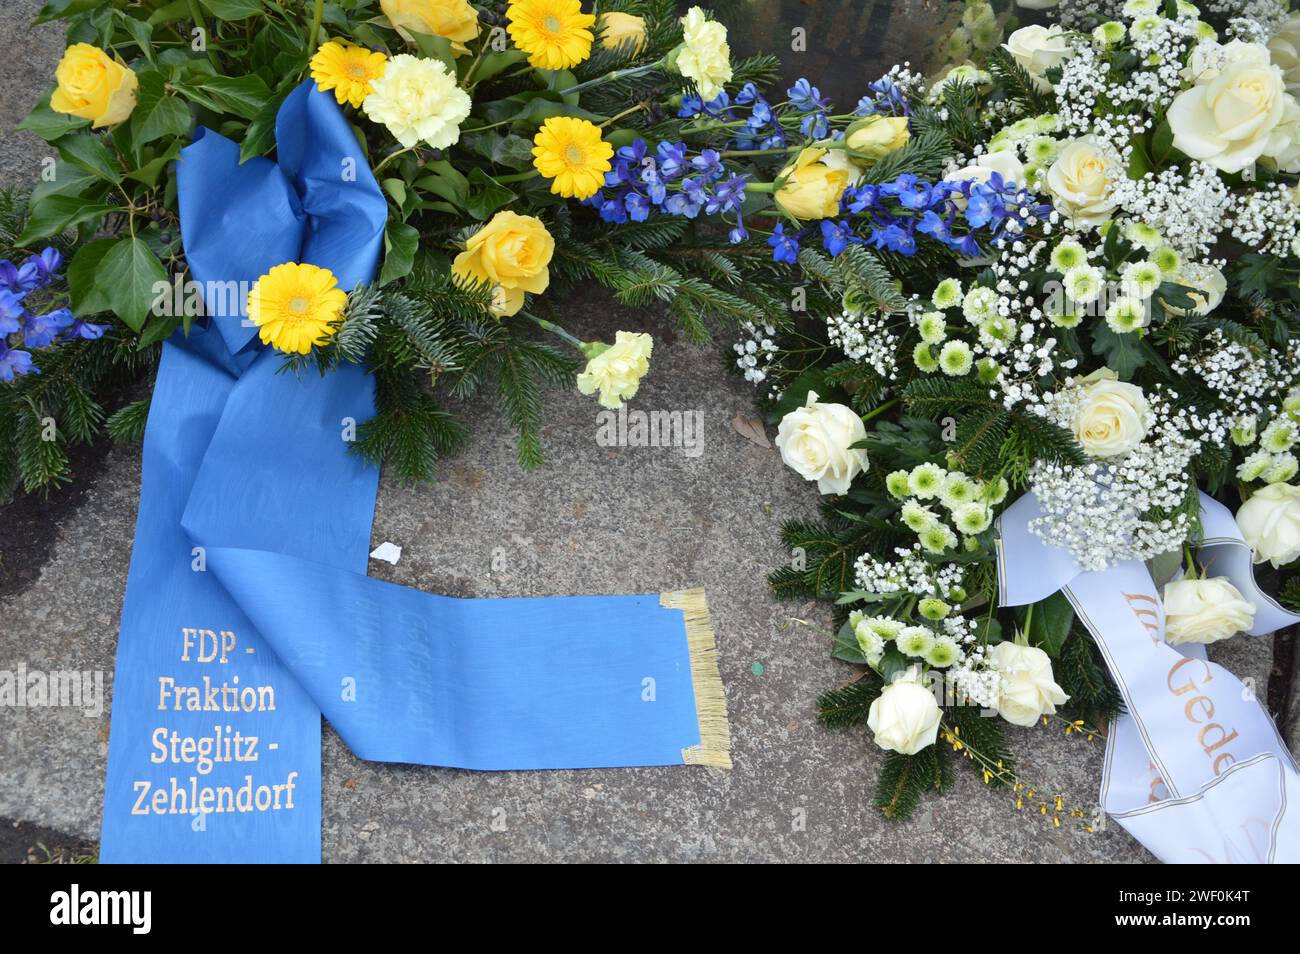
(1069, 268)
(1065, 262)
(490, 128)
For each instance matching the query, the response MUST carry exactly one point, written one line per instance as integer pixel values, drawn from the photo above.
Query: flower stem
(197, 16)
(613, 119)
(612, 76)
(879, 410)
(554, 329)
(390, 157)
(316, 16)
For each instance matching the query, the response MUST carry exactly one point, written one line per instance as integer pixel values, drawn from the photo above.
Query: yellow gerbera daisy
(296, 306)
(348, 70)
(554, 33)
(571, 153)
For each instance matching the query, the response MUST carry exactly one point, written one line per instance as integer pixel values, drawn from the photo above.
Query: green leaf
(444, 180)
(129, 270)
(233, 9)
(511, 151)
(1124, 353)
(149, 172)
(436, 48)
(486, 195)
(260, 135)
(157, 114)
(400, 243)
(67, 179)
(58, 213)
(1050, 623)
(846, 646)
(63, 9)
(494, 63)
(89, 296)
(244, 96)
(1162, 143)
(88, 152)
(48, 124)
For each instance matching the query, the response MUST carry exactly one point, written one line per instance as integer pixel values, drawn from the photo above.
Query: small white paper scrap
(388, 552)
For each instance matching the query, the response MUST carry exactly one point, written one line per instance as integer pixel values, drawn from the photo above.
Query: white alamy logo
(637, 428)
(75, 906)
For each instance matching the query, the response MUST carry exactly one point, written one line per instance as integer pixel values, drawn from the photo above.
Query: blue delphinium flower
(12, 312)
(837, 236)
(785, 247)
(14, 363)
(41, 330)
(21, 286)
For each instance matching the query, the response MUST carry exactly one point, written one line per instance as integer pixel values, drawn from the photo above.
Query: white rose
(1112, 417)
(1004, 162)
(815, 440)
(1205, 611)
(905, 717)
(1038, 49)
(1082, 181)
(1284, 49)
(1270, 522)
(1231, 117)
(1028, 690)
(1205, 285)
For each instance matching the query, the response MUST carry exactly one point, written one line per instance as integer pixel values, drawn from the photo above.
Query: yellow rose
(617, 29)
(616, 370)
(812, 189)
(94, 86)
(878, 136)
(512, 252)
(454, 19)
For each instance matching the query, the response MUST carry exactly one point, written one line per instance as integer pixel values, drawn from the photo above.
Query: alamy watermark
(22, 688)
(637, 428)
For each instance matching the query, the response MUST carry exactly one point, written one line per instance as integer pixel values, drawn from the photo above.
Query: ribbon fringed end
(710, 700)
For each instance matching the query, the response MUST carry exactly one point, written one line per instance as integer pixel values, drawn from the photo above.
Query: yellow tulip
(811, 189)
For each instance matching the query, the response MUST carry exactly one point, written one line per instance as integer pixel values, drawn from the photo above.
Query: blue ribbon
(248, 612)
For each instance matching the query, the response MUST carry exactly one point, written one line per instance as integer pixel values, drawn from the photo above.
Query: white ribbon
(1195, 769)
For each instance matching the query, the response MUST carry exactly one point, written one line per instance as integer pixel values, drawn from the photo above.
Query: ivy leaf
(445, 181)
(233, 9)
(67, 179)
(63, 9)
(149, 171)
(400, 243)
(48, 124)
(58, 213)
(244, 96)
(129, 270)
(156, 114)
(260, 135)
(87, 151)
(89, 296)
(486, 194)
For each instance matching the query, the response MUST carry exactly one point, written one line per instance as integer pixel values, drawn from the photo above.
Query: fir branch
(849, 705)
(127, 424)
